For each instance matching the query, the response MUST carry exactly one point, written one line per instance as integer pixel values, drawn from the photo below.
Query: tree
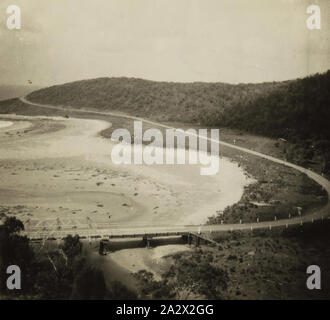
(13, 225)
(118, 291)
(15, 250)
(89, 284)
(192, 276)
(72, 246)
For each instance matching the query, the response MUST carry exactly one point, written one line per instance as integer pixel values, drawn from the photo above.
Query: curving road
(137, 231)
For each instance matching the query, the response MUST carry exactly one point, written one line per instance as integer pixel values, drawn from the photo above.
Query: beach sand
(62, 168)
(153, 259)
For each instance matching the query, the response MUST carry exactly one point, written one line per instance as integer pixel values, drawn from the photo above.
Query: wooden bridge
(56, 229)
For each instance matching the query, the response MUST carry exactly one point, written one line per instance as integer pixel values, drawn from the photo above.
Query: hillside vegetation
(247, 265)
(203, 103)
(297, 108)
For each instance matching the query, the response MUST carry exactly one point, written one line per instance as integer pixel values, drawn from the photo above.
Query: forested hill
(296, 108)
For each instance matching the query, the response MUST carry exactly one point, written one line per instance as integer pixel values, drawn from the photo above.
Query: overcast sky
(166, 40)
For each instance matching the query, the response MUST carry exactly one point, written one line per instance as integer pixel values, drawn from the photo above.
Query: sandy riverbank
(61, 168)
(153, 259)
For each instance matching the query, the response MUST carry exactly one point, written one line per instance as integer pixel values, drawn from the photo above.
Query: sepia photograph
(161, 150)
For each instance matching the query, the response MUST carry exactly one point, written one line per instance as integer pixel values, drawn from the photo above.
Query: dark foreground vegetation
(261, 264)
(62, 272)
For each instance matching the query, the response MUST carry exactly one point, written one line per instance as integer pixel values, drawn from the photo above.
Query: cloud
(186, 40)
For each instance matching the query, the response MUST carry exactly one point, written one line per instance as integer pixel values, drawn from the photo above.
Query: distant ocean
(9, 92)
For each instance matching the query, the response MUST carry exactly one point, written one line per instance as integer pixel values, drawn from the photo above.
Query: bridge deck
(159, 231)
